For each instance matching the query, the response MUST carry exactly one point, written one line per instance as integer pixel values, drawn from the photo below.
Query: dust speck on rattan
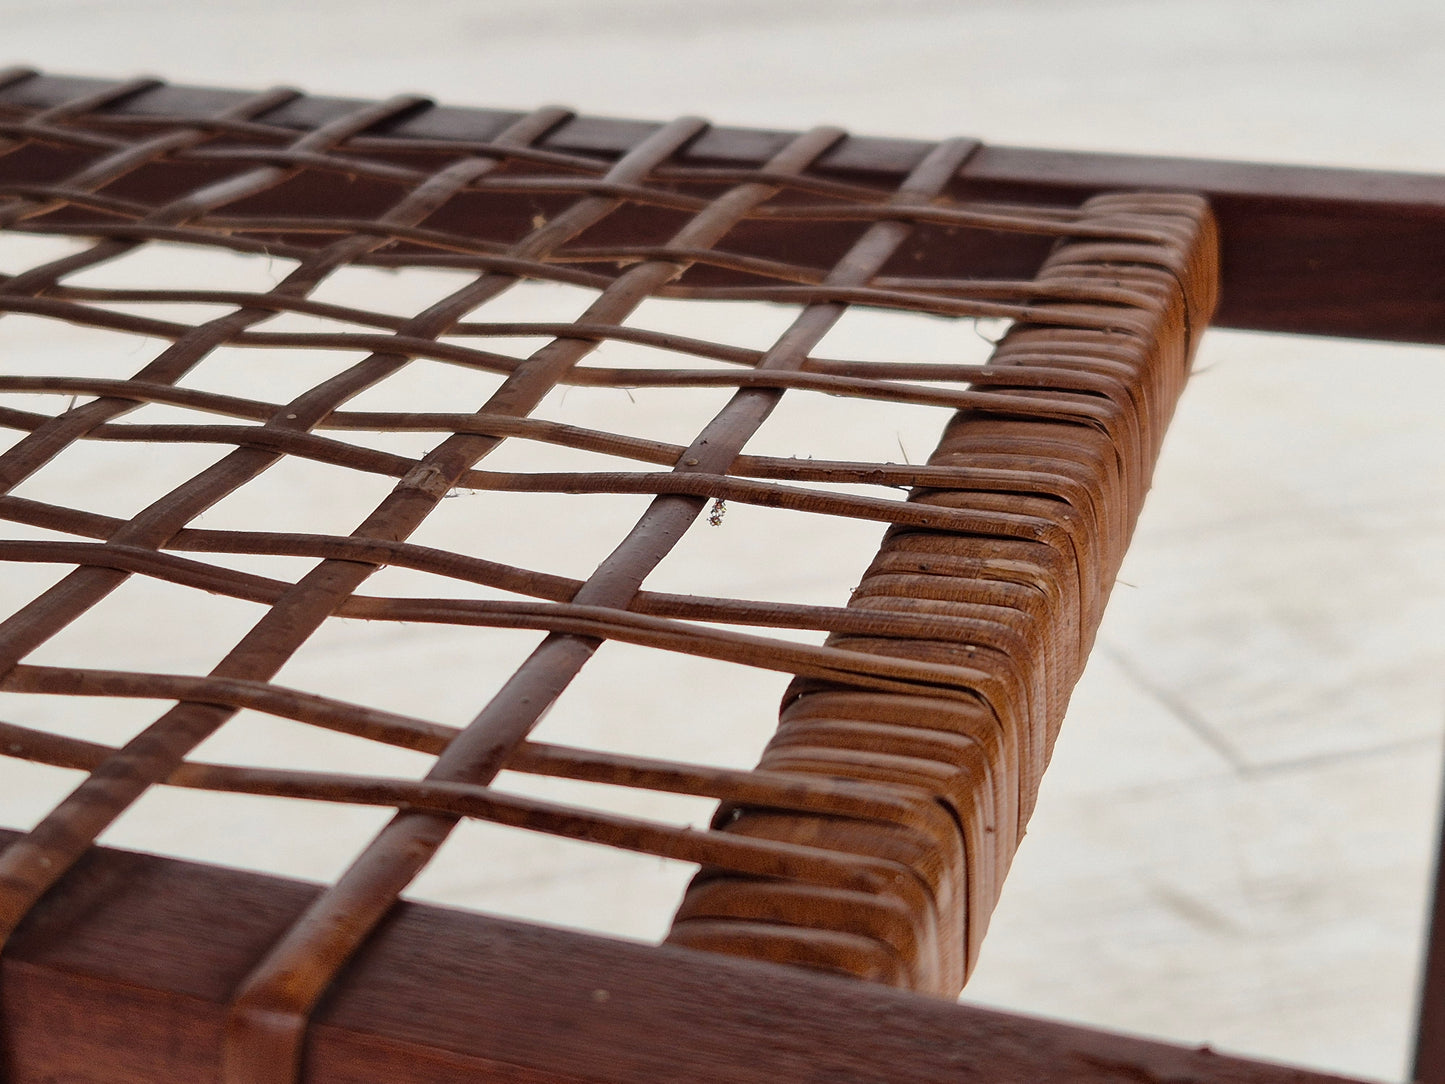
(873, 838)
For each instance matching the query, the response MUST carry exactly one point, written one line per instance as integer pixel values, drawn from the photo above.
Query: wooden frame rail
(126, 976)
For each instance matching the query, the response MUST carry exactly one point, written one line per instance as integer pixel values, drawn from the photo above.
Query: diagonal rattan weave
(875, 834)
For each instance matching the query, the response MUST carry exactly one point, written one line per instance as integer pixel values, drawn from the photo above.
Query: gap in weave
(425, 385)
(107, 720)
(173, 414)
(772, 554)
(393, 291)
(190, 313)
(814, 425)
(258, 740)
(518, 347)
(270, 375)
(161, 266)
(551, 881)
(24, 580)
(147, 624)
(888, 335)
(521, 454)
(657, 806)
(297, 495)
(411, 445)
(31, 791)
(438, 672)
(86, 474)
(422, 386)
(667, 704)
(306, 323)
(53, 347)
(616, 354)
(568, 535)
(535, 302)
(22, 251)
(394, 581)
(675, 415)
(273, 566)
(313, 841)
(756, 325)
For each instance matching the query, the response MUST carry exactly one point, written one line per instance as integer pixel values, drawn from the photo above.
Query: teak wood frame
(111, 992)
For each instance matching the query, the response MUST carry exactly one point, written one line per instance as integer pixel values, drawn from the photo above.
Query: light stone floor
(1233, 842)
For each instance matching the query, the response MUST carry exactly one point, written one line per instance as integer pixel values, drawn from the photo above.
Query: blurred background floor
(1234, 840)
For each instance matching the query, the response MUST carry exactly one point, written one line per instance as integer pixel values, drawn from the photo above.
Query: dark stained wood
(122, 975)
(1311, 251)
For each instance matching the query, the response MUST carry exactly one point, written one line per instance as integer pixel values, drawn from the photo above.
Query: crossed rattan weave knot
(874, 837)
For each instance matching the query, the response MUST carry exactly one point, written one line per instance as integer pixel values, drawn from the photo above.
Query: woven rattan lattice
(874, 835)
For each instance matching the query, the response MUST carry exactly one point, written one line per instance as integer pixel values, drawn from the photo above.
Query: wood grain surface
(124, 974)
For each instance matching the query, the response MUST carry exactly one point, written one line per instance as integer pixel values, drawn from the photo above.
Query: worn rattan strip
(1030, 599)
(874, 836)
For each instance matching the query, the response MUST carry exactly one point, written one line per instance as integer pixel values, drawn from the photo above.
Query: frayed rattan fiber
(874, 836)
